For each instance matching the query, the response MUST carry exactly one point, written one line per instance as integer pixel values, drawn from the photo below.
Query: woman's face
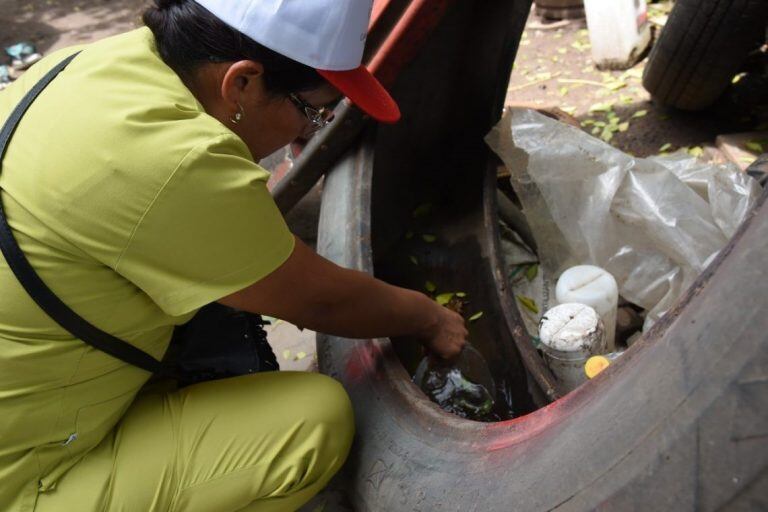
(273, 121)
(267, 121)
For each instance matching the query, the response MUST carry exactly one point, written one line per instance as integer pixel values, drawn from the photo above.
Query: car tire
(701, 48)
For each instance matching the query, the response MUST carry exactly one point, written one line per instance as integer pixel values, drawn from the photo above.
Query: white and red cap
(328, 35)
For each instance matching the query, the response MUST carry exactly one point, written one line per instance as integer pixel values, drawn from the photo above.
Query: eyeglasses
(318, 117)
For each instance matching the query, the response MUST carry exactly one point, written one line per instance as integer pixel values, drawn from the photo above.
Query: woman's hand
(447, 337)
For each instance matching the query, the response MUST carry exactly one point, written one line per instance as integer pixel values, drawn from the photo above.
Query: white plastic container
(618, 30)
(570, 334)
(594, 287)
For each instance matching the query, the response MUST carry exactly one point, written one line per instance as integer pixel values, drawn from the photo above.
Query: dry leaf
(529, 304)
(476, 316)
(422, 210)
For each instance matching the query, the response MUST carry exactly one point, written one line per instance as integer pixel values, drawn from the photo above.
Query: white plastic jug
(618, 30)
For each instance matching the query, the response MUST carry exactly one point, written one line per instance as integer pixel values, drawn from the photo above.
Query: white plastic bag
(653, 223)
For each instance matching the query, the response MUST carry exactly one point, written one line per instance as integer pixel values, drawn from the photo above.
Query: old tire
(679, 423)
(701, 48)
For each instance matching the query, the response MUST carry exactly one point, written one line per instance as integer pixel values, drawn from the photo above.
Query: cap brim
(362, 88)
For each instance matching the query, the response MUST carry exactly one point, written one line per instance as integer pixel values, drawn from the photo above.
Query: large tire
(679, 423)
(701, 48)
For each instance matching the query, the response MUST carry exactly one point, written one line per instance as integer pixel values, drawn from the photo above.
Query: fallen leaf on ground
(422, 210)
(529, 304)
(444, 298)
(300, 356)
(640, 113)
(696, 151)
(413, 260)
(476, 316)
(430, 286)
(429, 238)
(755, 146)
(665, 147)
(600, 107)
(286, 354)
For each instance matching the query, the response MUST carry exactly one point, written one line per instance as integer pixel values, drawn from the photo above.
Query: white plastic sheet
(653, 223)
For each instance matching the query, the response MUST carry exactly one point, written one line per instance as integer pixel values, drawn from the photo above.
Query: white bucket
(618, 30)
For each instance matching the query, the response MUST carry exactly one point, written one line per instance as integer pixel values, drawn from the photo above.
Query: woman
(132, 186)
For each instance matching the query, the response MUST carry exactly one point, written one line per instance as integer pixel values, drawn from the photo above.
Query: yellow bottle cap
(595, 365)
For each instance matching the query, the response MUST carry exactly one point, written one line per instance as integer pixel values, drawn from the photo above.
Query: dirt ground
(553, 68)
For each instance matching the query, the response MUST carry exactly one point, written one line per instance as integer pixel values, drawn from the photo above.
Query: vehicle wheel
(701, 48)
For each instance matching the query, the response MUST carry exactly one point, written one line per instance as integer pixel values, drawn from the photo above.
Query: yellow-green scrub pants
(259, 443)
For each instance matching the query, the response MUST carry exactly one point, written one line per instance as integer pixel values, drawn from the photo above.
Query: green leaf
(607, 135)
(529, 304)
(755, 146)
(624, 126)
(422, 210)
(568, 110)
(476, 316)
(430, 286)
(665, 147)
(413, 260)
(300, 356)
(640, 113)
(563, 91)
(696, 151)
(429, 238)
(616, 85)
(461, 295)
(444, 298)
(286, 354)
(532, 272)
(600, 107)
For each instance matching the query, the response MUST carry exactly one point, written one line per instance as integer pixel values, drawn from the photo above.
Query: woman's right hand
(447, 336)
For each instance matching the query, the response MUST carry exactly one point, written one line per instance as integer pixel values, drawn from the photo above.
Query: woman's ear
(243, 83)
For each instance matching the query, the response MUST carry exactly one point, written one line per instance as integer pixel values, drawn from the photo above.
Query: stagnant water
(464, 387)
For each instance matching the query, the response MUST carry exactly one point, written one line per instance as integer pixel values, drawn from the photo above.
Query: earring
(238, 115)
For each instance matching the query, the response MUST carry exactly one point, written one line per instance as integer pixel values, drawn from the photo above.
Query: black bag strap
(35, 287)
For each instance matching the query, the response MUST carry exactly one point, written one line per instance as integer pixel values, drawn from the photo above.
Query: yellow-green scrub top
(136, 208)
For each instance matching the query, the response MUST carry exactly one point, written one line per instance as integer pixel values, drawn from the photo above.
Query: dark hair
(188, 36)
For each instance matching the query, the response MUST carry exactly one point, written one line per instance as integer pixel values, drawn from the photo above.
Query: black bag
(219, 342)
